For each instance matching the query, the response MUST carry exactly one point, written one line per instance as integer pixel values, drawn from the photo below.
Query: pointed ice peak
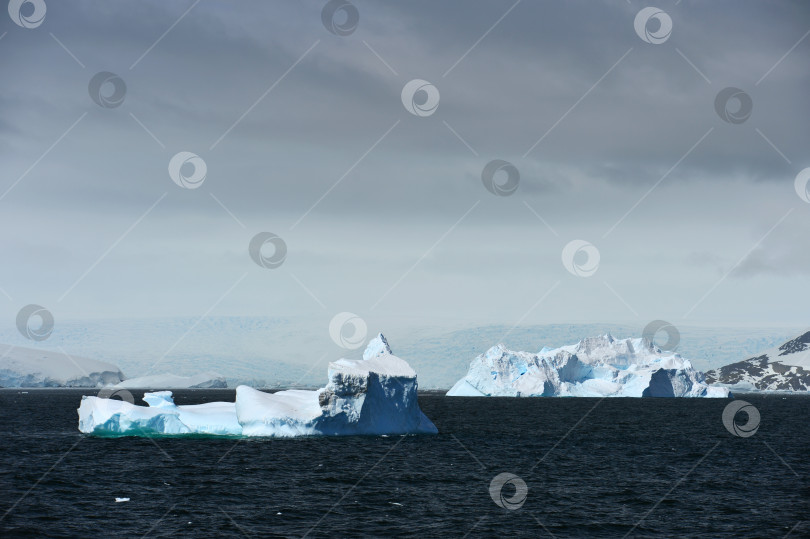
(159, 399)
(377, 347)
(609, 337)
(496, 351)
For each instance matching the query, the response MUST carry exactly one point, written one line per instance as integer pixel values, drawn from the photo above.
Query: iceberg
(30, 367)
(107, 415)
(594, 367)
(374, 395)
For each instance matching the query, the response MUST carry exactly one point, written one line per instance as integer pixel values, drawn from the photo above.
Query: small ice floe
(119, 500)
(395, 503)
(278, 513)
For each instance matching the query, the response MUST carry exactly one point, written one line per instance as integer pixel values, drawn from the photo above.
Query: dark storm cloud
(527, 78)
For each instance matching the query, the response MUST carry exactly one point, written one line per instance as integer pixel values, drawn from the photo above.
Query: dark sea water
(593, 468)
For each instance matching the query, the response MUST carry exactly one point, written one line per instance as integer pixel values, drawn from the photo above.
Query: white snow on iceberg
(100, 415)
(30, 367)
(594, 367)
(375, 395)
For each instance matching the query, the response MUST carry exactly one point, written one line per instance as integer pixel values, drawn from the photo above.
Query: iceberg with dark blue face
(594, 367)
(373, 395)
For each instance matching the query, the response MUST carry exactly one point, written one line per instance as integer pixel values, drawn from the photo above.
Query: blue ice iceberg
(594, 367)
(374, 395)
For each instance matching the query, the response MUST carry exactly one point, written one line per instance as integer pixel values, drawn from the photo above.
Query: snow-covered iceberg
(375, 395)
(30, 367)
(110, 416)
(205, 380)
(594, 367)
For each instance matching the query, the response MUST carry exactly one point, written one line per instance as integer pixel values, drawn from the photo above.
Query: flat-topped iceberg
(375, 395)
(110, 416)
(594, 367)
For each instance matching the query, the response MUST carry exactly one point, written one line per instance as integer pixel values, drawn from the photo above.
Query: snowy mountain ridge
(30, 367)
(782, 368)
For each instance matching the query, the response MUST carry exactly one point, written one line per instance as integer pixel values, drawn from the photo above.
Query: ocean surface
(591, 467)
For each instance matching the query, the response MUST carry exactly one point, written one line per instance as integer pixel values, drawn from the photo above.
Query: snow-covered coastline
(22, 367)
(30, 367)
(781, 369)
(375, 395)
(594, 367)
(205, 380)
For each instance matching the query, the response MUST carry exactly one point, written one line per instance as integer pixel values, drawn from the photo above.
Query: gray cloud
(359, 220)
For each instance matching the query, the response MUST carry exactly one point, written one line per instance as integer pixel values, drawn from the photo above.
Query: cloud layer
(303, 134)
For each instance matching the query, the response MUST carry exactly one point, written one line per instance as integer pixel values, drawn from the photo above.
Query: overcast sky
(305, 134)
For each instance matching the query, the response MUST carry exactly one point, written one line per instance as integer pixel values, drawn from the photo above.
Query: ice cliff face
(594, 367)
(375, 395)
(784, 368)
